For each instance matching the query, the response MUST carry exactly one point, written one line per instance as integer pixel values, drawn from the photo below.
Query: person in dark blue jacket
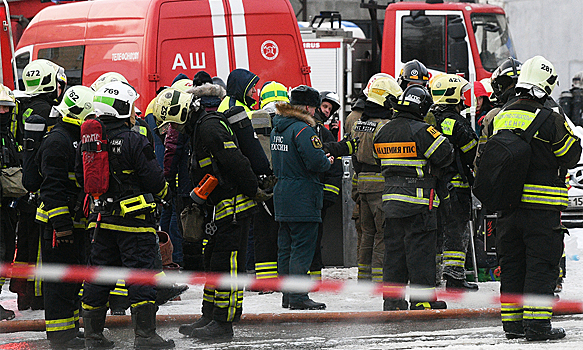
(298, 160)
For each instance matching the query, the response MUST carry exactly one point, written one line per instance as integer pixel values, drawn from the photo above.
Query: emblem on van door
(269, 50)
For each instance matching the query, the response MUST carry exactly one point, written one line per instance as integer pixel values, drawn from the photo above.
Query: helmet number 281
(546, 68)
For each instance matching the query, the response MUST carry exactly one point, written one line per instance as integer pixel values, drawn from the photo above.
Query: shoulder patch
(316, 141)
(431, 130)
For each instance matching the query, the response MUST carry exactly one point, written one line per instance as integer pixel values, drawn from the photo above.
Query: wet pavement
(450, 333)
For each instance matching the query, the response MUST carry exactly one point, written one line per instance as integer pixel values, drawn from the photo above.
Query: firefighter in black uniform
(125, 235)
(10, 157)
(529, 239)
(64, 233)
(448, 95)
(409, 152)
(230, 206)
(45, 82)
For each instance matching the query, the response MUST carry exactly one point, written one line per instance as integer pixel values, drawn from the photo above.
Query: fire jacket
(464, 140)
(216, 151)
(59, 190)
(553, 146)
(298, 160)
(368, 172)
(408, 151)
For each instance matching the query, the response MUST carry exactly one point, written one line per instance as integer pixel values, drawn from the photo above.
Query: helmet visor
(122, 107)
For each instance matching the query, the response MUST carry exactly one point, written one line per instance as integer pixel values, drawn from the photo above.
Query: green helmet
(42, 76)
(77, 104)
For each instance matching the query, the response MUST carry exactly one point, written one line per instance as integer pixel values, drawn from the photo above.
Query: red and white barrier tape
(110, 275)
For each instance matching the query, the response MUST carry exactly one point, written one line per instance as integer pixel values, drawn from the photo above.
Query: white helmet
(372, 80)
(42, 76)
(107, 78)
(171, 105)
(76, 105)
(537, 76)
(183, 85)
(115, 99)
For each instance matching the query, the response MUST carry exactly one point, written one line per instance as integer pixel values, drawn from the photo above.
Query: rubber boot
(187, 329)
(215, 330)
(454, 285)
(513, 329)
(395, 304)
(144, 322)
(94, 323)
(428, 305)
(537, 330)
(6, 314)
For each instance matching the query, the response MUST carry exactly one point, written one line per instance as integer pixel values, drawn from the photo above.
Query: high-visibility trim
(143, 303)
(266, 270)
(331, 188)
(454, 258)
(372, 178)
(409, 199)
(403, 162)
(377, 274)
(130, 171)
(315, 275)
(71, 176)
(119, 291)
(123, 228)
(228, 207)
(468, 147)
(537, 313)
(232, 300)
(164, 191)
(563, 150)
(548, 195)
(58, 211)
(208, 295)
(354, 179)
(550, 190)
(42, 215)
(265, 275)
(205, 162)
(229, 145)
(438, 141)
(62, 324)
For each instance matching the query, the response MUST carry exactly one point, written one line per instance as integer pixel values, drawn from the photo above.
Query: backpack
(503, 165)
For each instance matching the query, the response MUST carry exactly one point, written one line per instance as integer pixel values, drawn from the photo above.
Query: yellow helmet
(448, 89)
(7, 97)
(171, 105)
(183, 85)
(76, 105)
(382, 88)
(273, 91)
(42, 76)
(107, 78)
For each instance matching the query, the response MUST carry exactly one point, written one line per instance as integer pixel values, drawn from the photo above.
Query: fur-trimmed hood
(208, 90)
(290, 111)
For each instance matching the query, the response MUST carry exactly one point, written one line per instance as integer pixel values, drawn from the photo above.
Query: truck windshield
(493, 39)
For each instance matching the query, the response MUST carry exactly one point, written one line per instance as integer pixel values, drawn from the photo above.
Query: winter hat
(305, 96)
(202, 77)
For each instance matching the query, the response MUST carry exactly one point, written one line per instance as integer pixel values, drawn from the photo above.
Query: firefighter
(351, 119)
(298, 160)
(216, 155)
(407, 148)
(529, 238)
(45, 82)
(572, 100)
(370, 184)
(10, 157)
(413, 73)
(60, 211)
(448, 96)
(332, 179)
(125, 235)
(240, 90)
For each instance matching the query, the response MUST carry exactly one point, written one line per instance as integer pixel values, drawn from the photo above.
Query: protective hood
(288, 114)
(210, 95)
(238, 83)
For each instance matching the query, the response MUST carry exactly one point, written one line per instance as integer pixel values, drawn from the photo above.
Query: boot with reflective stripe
(144, 322)
(94, 322)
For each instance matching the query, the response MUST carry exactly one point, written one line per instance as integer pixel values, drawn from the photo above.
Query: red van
(151, 41)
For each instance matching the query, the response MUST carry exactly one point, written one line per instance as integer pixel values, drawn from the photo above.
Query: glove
(64, 237)
(352, 144)
(268, 182)
(262, 196)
